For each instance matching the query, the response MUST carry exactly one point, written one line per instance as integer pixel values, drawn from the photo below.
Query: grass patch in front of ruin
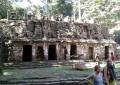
(46, 73)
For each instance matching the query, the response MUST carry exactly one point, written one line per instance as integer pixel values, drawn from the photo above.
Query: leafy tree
(5, 6)
(62, 7)
(103, 11)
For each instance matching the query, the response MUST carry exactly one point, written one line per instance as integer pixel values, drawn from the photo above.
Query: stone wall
(58, 29)
(38, 29)
(18, 52)
(61, 34)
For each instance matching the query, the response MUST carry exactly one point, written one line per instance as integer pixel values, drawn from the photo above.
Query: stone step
(36, 64)
(47, 81)
(39, 82)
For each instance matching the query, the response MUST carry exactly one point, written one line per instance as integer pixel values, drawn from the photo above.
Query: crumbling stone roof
(46, 30)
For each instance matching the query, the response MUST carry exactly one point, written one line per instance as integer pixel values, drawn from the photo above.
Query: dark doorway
(87, 31)
(90, 51)
(65, 53)
(106, 52)
(27, 52)
(73, 51)
(40, 53)
(52, 52)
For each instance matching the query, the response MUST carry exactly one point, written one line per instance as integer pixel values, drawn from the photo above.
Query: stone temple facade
(38, 40)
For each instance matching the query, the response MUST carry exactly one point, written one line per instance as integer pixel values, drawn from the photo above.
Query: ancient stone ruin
(35, 40)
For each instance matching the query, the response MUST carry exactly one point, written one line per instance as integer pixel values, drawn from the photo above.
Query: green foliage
(106, 12)
(103, 11)
(62, 7)
(21, 13)
(5, 6)
(18, 13)
(37, 10)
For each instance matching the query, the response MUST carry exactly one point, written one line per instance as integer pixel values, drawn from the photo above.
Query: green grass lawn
(47, 73)
(61, 72)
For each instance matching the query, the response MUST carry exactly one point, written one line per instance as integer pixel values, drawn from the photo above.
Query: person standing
(112, 57)
(109, 73)
(97, 59)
